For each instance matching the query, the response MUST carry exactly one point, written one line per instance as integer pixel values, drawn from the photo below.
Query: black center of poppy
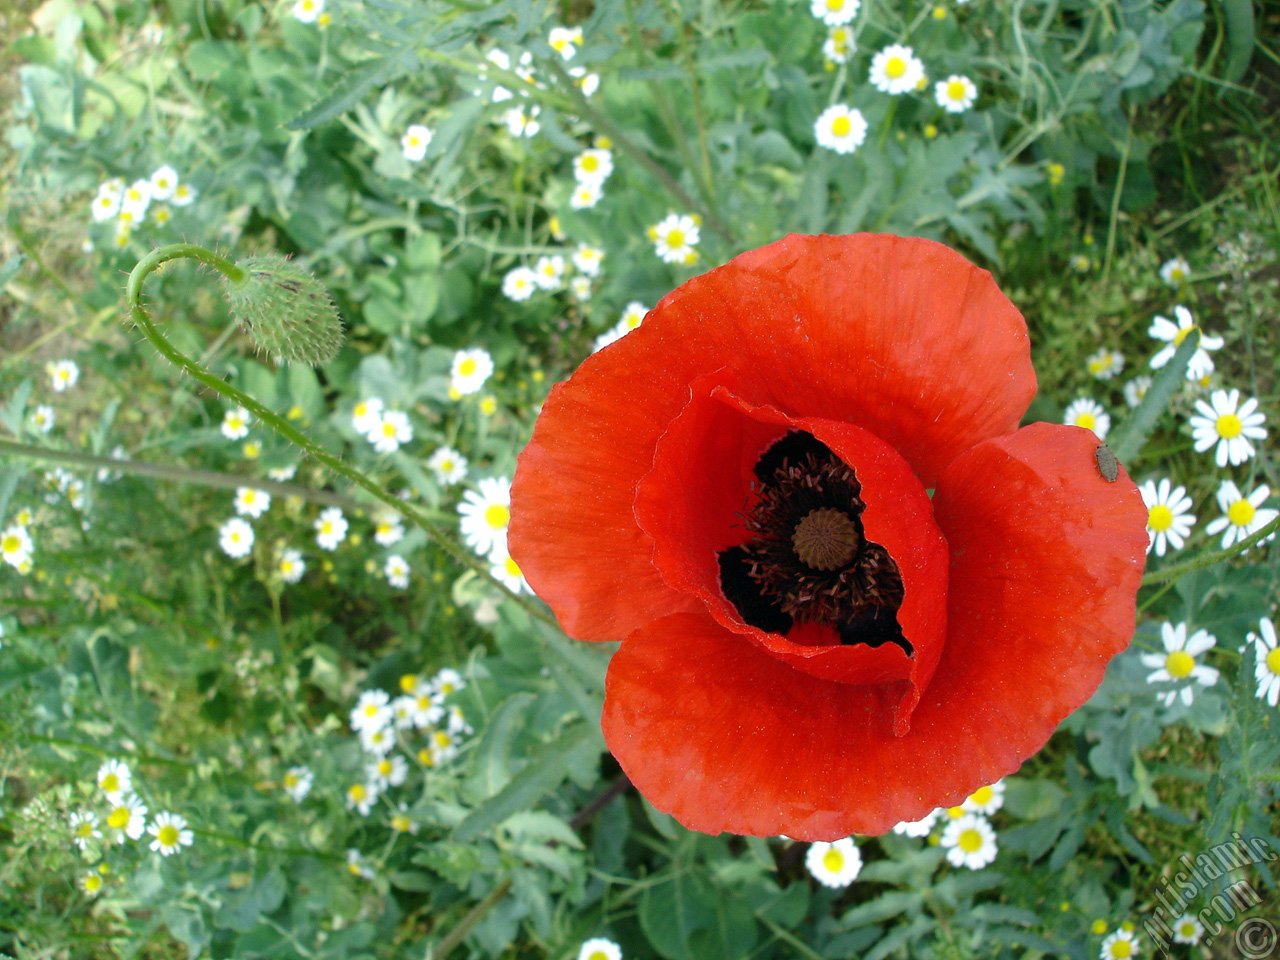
(807, 559)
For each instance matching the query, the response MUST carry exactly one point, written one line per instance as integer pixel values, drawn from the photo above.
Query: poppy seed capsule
(1108, 466)
(286, 310)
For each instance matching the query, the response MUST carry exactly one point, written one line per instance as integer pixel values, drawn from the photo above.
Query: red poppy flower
(849, 588)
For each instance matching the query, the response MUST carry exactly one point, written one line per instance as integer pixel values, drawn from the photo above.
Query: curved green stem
(1209, 559)
(279, 424)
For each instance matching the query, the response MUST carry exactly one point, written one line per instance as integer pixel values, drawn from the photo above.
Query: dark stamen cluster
(808, 559)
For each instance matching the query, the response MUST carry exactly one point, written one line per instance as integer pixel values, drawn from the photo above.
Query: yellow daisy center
(835, 5)
(1241, 513)
(1179, 664)
(118, 819)
(1122, 948)
(982, 796)
(167, 835)
(111, 782)
(446, 689)
(384, 767)
(675, 238)
(85, 830)
(511, 567)
(1273, 661)
(1181, 335)
(401, 823)
(956, 90)
(970, 841)
(590, 163)
(833, 860)
(1160, 518)
(358, 792)
(895, 67)
(424, 757)
(388, 429)
(496, 516)
(1229, 426)
(841, 126)
(1086, 420)
(597, 955)
(11, 543)
(290, 779)
(467, 367)
(93, 883)
(441, 738)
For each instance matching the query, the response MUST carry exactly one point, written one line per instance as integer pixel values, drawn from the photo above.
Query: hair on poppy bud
(286, 310)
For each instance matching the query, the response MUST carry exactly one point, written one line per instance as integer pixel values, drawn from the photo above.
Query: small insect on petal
(1108, 466)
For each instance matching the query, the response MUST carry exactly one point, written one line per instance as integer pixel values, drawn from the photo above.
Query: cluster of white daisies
(121, 816)
(127, 205)
(550, 272)
(1226, 423)
(895, 70)
(967, 837)
(1179, 668)
(521, 118)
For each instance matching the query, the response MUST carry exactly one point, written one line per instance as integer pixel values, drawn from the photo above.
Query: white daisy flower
(63, 374)
(565, 40)
(1175, 271)
(378, 740)
(235, 424)
(236, 538)
(170, 832)
(457, 723)
(447, 681)
(1173, 334)
(1089, 414)
(1267, 655)
(587, 259)
(1104, 364)
(183, 196)
(84, 828)
(114, 779)
(415, 141)
(1187, 929)
(485, 514)
(396, 570)
(16, 546)
(283, 474)
(521, 122)
(43, 418)
(106, 203)
(956, 94)
(331, 528)
(969, 842)
(598, 948)
(985, 800)
(128, 817)
(388, 530)
(357, 866)
(896, 69)
(471, 368)
(388, 772)
(674, 238)
(93, 882)
(1242, 516)
(834, 12)
(443, 747)
(401, 822)
(134, 202)
(916, 828)
(297, 782)
(251, 503)
(1121, 945)
(164, 181)
(392, 429)
(1178, 662)
(548, 271)
(427, 709)
(632, 316)
(587, 82)
(308, 11)
(1136, 389)
(507, 572)
(834, 864)
(361, 797)
(366, 414)
(1230, 425)
(593, 166)
(585, 196)
(1169, 520)
(519, 283)
(580, 288)
(291, 566)
(839, 45)
(840, 128)
(372, 711)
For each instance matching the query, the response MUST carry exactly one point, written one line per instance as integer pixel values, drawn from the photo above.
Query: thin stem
(277, 423)
(1209, 559)
(474, 916)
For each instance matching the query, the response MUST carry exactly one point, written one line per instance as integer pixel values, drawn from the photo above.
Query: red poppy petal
(709, 453)
(1047, 557)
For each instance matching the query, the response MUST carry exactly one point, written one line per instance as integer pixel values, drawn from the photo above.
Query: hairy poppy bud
(286, 310)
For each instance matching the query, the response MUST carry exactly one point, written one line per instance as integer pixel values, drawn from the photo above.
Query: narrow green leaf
(351, 89)
(1127, 440)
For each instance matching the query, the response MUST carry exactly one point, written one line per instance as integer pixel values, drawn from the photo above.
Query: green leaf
(355, 83)
(241, 909)
(546, 770)
(10, 270)
(1129, 437)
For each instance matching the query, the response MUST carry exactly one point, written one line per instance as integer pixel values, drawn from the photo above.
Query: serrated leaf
(350, 90)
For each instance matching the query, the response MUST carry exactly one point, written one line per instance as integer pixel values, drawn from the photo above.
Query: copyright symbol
(1255, 938)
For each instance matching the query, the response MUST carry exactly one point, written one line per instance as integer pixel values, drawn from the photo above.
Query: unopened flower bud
(286, 310)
